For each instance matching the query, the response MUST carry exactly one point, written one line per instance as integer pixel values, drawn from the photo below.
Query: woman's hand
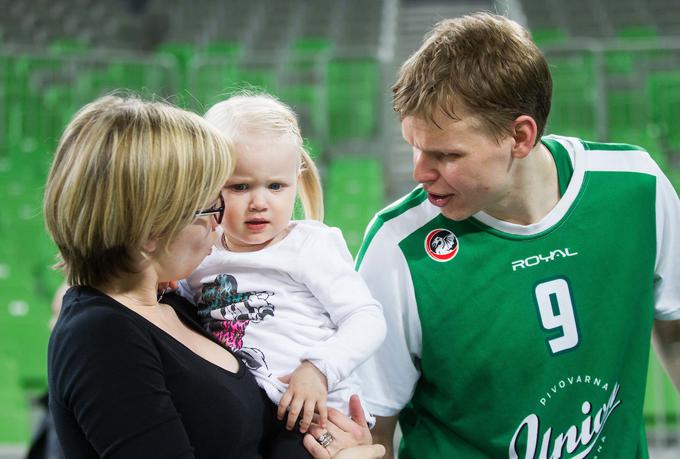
(351, 437)
(307, 392)
(362, 452)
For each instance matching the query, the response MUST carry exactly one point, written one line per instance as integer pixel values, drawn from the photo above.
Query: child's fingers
(283, 405)
(307, 415)
(293, 412)
(322, 419)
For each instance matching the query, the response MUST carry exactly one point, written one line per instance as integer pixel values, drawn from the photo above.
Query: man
(522, 279)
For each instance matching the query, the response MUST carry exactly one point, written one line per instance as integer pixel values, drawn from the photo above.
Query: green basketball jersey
(511, 341)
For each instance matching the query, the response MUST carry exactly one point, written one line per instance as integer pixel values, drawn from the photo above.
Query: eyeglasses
(217, 212)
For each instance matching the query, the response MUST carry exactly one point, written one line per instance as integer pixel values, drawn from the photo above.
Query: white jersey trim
(575, 149)
(389, 378)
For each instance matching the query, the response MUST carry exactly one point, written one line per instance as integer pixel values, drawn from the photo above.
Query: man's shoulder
(412, 207)
(398, 220)
(608, 156)
(402, 205)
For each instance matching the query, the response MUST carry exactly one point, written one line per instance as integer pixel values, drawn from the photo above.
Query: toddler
(282, 294)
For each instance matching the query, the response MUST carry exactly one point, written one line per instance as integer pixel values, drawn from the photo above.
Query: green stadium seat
(24, 97)
(257, 78)
(354, 190)
(144, 78)
(619, 62)
(305, 53)
(661, 398)
(313, 148)
(674, 177)
(623, 62)
(641, 32)
(629, 123)
(546, 36)
(5, 69)
(627, 111)
(68, 46)
(14, 416)
(663, 92)
(311, 46)
(574, 94)
(222, 49)
(60, 105)
(353, 89)
(211, 81)
(24, 320)
(308, 101)
(181, 54)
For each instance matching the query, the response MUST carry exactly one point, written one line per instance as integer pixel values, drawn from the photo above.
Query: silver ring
(325, 439)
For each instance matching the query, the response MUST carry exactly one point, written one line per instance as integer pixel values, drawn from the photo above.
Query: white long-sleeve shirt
(298, 299)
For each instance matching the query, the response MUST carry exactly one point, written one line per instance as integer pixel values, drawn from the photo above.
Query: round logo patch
(441, 245)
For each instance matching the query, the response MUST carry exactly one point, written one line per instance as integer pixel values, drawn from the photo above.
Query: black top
(121, 387)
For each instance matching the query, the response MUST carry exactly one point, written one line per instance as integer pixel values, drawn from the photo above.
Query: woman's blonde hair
(263, 113)
(126, 172)
(482, 62)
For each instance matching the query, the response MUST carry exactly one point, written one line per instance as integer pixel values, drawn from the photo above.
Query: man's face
(463, 168)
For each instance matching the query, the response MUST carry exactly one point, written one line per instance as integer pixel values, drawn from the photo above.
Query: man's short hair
(483, 64)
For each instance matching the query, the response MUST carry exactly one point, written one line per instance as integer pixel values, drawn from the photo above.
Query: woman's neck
(133, 290)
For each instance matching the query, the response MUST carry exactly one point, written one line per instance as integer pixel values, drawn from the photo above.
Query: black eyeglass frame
(216, 212)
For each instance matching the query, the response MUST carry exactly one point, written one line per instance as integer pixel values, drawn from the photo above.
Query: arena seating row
(602, 18)
(355, 191)
(319, 57)
(261, 25)
(633, 97)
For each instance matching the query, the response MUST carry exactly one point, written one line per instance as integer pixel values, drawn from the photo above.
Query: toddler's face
(261, 193)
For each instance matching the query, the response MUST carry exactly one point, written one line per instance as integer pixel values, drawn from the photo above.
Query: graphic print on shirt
(441, 245)
(225, 313)
(536, 438)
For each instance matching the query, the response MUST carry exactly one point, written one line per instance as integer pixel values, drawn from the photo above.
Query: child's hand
(164, 287)
(307, 389)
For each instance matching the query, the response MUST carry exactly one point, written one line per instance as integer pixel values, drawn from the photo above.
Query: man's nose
(424, 168)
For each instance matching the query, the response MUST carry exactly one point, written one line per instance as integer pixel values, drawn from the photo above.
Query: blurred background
(615, 64)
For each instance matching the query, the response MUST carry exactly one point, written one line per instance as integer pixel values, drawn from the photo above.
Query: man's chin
(457, 215)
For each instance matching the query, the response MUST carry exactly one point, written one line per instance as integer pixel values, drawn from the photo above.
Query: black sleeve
(107, 376)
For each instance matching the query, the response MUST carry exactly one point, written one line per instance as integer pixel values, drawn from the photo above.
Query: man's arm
(666, 339)
(383, 433)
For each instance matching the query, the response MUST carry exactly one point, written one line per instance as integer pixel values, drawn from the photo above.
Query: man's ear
(524, 131)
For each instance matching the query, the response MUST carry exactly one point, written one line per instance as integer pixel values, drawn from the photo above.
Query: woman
(133, 200)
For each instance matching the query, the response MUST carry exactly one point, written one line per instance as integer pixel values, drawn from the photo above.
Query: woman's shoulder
(89, 315)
